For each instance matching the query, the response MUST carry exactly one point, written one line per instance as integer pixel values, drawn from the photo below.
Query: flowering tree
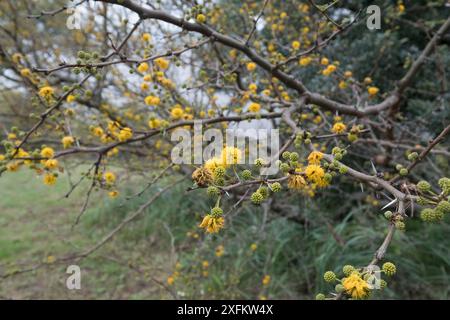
(111, 84)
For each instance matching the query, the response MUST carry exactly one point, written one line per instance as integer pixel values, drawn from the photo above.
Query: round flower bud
(259, 162)
(294, 156)
(444, 183)
(422, 201)
(286, 155)
(383, 284)
(329, 276)
(428, 215)
(400, 225)
(275, 187)
(339, 288)
(213, 191)
(443, 206)
(389, 268)
(284, 167)
(348, 269)
(338, 156)
(352, 137)
(439, 215)
(423, 186)
(398, 167)
(388, 215)
(328, 177)
(219, 172)
(413, 156)
(257, 198)
(246, 174)
(320, 296)
(343, 169)
(403, 172)
(220, 181)
(263, 191)
(216, 211)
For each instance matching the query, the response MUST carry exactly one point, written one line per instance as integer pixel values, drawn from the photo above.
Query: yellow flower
(220, 251)
(46, 92)
(113, 194)
(97, 131)
(348, 74)
(252, 87)
(176, 112)
(13, 166)
(212, 224)
(152, 101)
(296, 182)
(213, 163)
(342, 84)
(154, 123)
(355, 286)
(70, 98)
(125, 134)
(251, 66)
(25, 72)
(146, 37)
(12, 136)
(162, 63)
(109, 177)
(314, 173)
(170, 280)
(339, 127)
(329, 70)
(47, 152)
(367, 80)
(2, 157)
(304, 61)
(253, 246)
(201, 18)
(51, 164)
(266, 280)
(230, 155)
(142, 67)
(254, 107)
(144, 86)
(315, 157)
(16, 57)
(49, 179)
(147, 78)
(205, 264)
(324, 61)
(372, 90)
(67, 141)
(401, 7)
(295, 45)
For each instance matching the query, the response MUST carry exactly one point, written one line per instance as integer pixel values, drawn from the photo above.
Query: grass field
(36, 221)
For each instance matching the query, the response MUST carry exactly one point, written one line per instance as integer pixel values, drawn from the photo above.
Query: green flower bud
(246, 174)
(428, 215)
(339, 288)
(343, 169)
(329, 276)
(257, 198)
(348, 269)
(275, 187)
(263, 191)
(423, 186)
(400, 225)
(216, 212)
(284, 167)
(388, 215)
(286, 155)
(403, 172)
(443, 206)
(219, 172)
(383, 284)
(389, 268)
(320, 296)
(294, 156)
(213, 191)
(259, 162)
(444, 183)
(413, 156)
